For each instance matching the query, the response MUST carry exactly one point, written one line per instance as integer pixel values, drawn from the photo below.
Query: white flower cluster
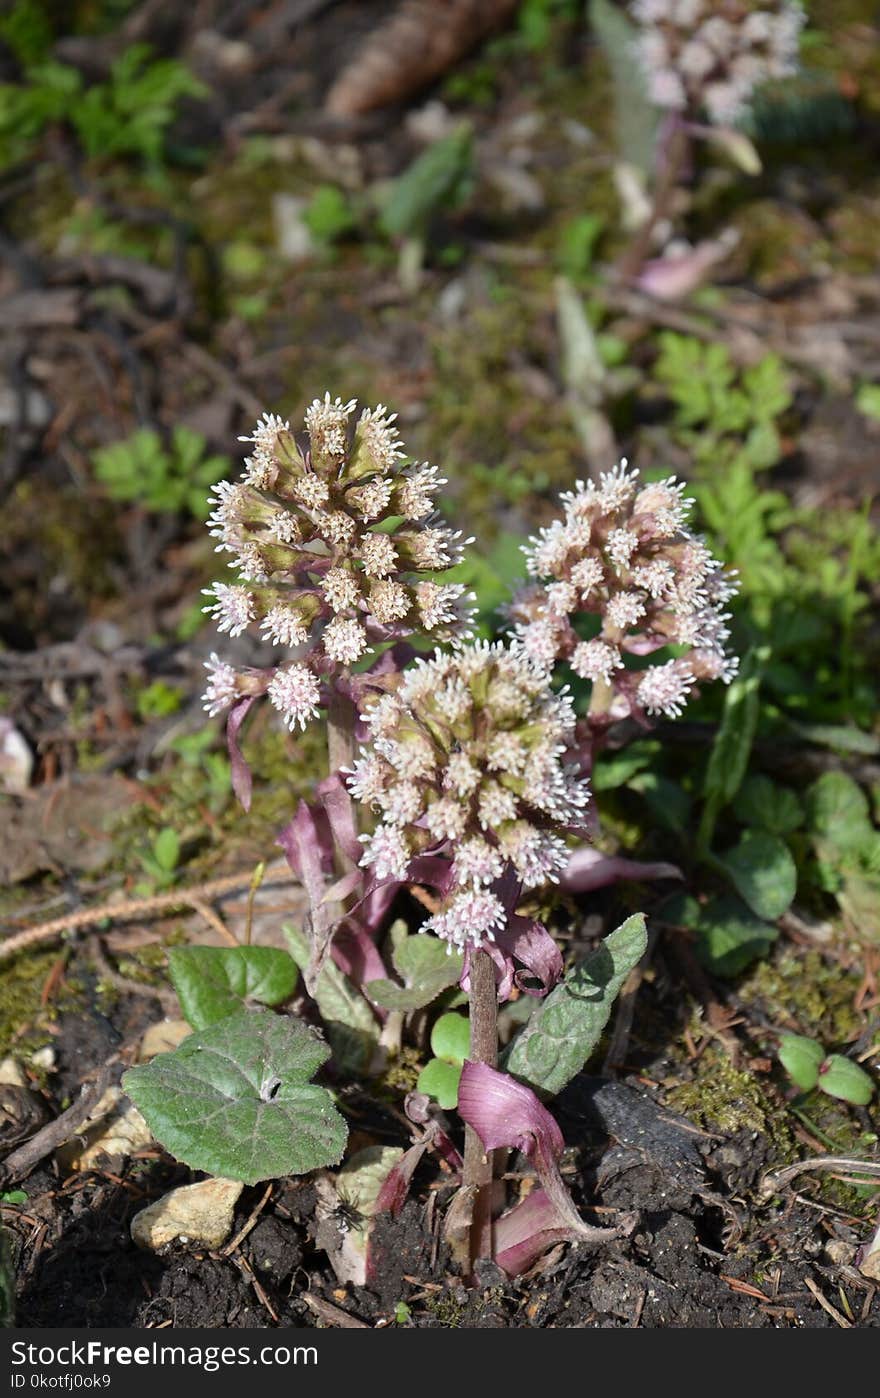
(331, 537)
(623, 552)
(709, 56)
(467, 758)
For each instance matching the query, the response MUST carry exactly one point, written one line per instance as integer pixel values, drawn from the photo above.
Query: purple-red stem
(673, 148)
(479, 1163)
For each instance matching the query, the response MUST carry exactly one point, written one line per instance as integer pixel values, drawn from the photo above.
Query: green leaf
(733, 743)
(801, 1058)
(731, 937)
(763, 873)
(350, 1023)
(437, 178)
(766, 805)
(440, 1079)
(616, 768)
(838, 812)
(566, 1027)
(214, 982)
(425, 969)
(842, 1078)
(166, 849)
(634, 118)
(577, 242)
(868, 400)
(669, 804)
(842, 737)
(329, 215)
(236, 1099)
(451, 1038)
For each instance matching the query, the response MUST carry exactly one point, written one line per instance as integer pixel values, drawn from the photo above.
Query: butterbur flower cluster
(335, 542)
(467, 759)
(623, 552)
(707, 57)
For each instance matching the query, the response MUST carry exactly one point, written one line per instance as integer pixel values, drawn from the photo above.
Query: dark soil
(703, 1253)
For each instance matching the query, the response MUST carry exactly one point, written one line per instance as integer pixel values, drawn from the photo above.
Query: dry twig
(196, 898)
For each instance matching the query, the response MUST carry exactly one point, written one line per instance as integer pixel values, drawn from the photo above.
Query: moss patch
(728, 1100)
(23, 1019)
(808, 991)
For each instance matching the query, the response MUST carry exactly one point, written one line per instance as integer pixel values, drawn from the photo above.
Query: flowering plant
(699, 64)
(462, 774)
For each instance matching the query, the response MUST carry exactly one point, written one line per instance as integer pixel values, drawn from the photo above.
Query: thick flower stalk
(705, 58)
(622, 553)
(467, 762)
(335, 542)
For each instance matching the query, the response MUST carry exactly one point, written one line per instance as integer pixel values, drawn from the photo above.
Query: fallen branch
(22, 1161)
(196, 898)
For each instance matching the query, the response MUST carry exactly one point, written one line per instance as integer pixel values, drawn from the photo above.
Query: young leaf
(634, 118)
(766, 805)
(235, 1099)
(733, 743)
(440, 1079)
(763, 873)
(451, 1038)
(731, 936)
(166, 849)
(350, 1023)
(213, 982)
(838, 811)
(438, 178)
(425, 969)
(840, 1077)
(566, 1027)
(801, 1058)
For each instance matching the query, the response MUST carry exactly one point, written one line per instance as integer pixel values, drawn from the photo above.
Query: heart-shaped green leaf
(564, 1030)
(731, 937)
(766, 805)
(214, 982)
(838, 812)
(440, 1080)
(801, 1058)
(451, 1038)
(842, 1078)
(426, 969)
(236, 1099)
(763, 873)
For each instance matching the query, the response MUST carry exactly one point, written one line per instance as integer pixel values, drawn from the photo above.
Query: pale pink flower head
(705, 58)
(622, 553)
(467, 763)
(336, 543)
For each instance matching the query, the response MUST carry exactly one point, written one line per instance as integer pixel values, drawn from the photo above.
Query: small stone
(45, 1059)
(16, 760)
(868, 1260)
(196, 1213)
(839, 1253)
(163, 1038)
(292, 236)
(113, 1131)
(12, 1074)
(121, 1132)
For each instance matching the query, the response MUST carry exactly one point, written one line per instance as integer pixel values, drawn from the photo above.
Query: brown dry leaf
(416, 45)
